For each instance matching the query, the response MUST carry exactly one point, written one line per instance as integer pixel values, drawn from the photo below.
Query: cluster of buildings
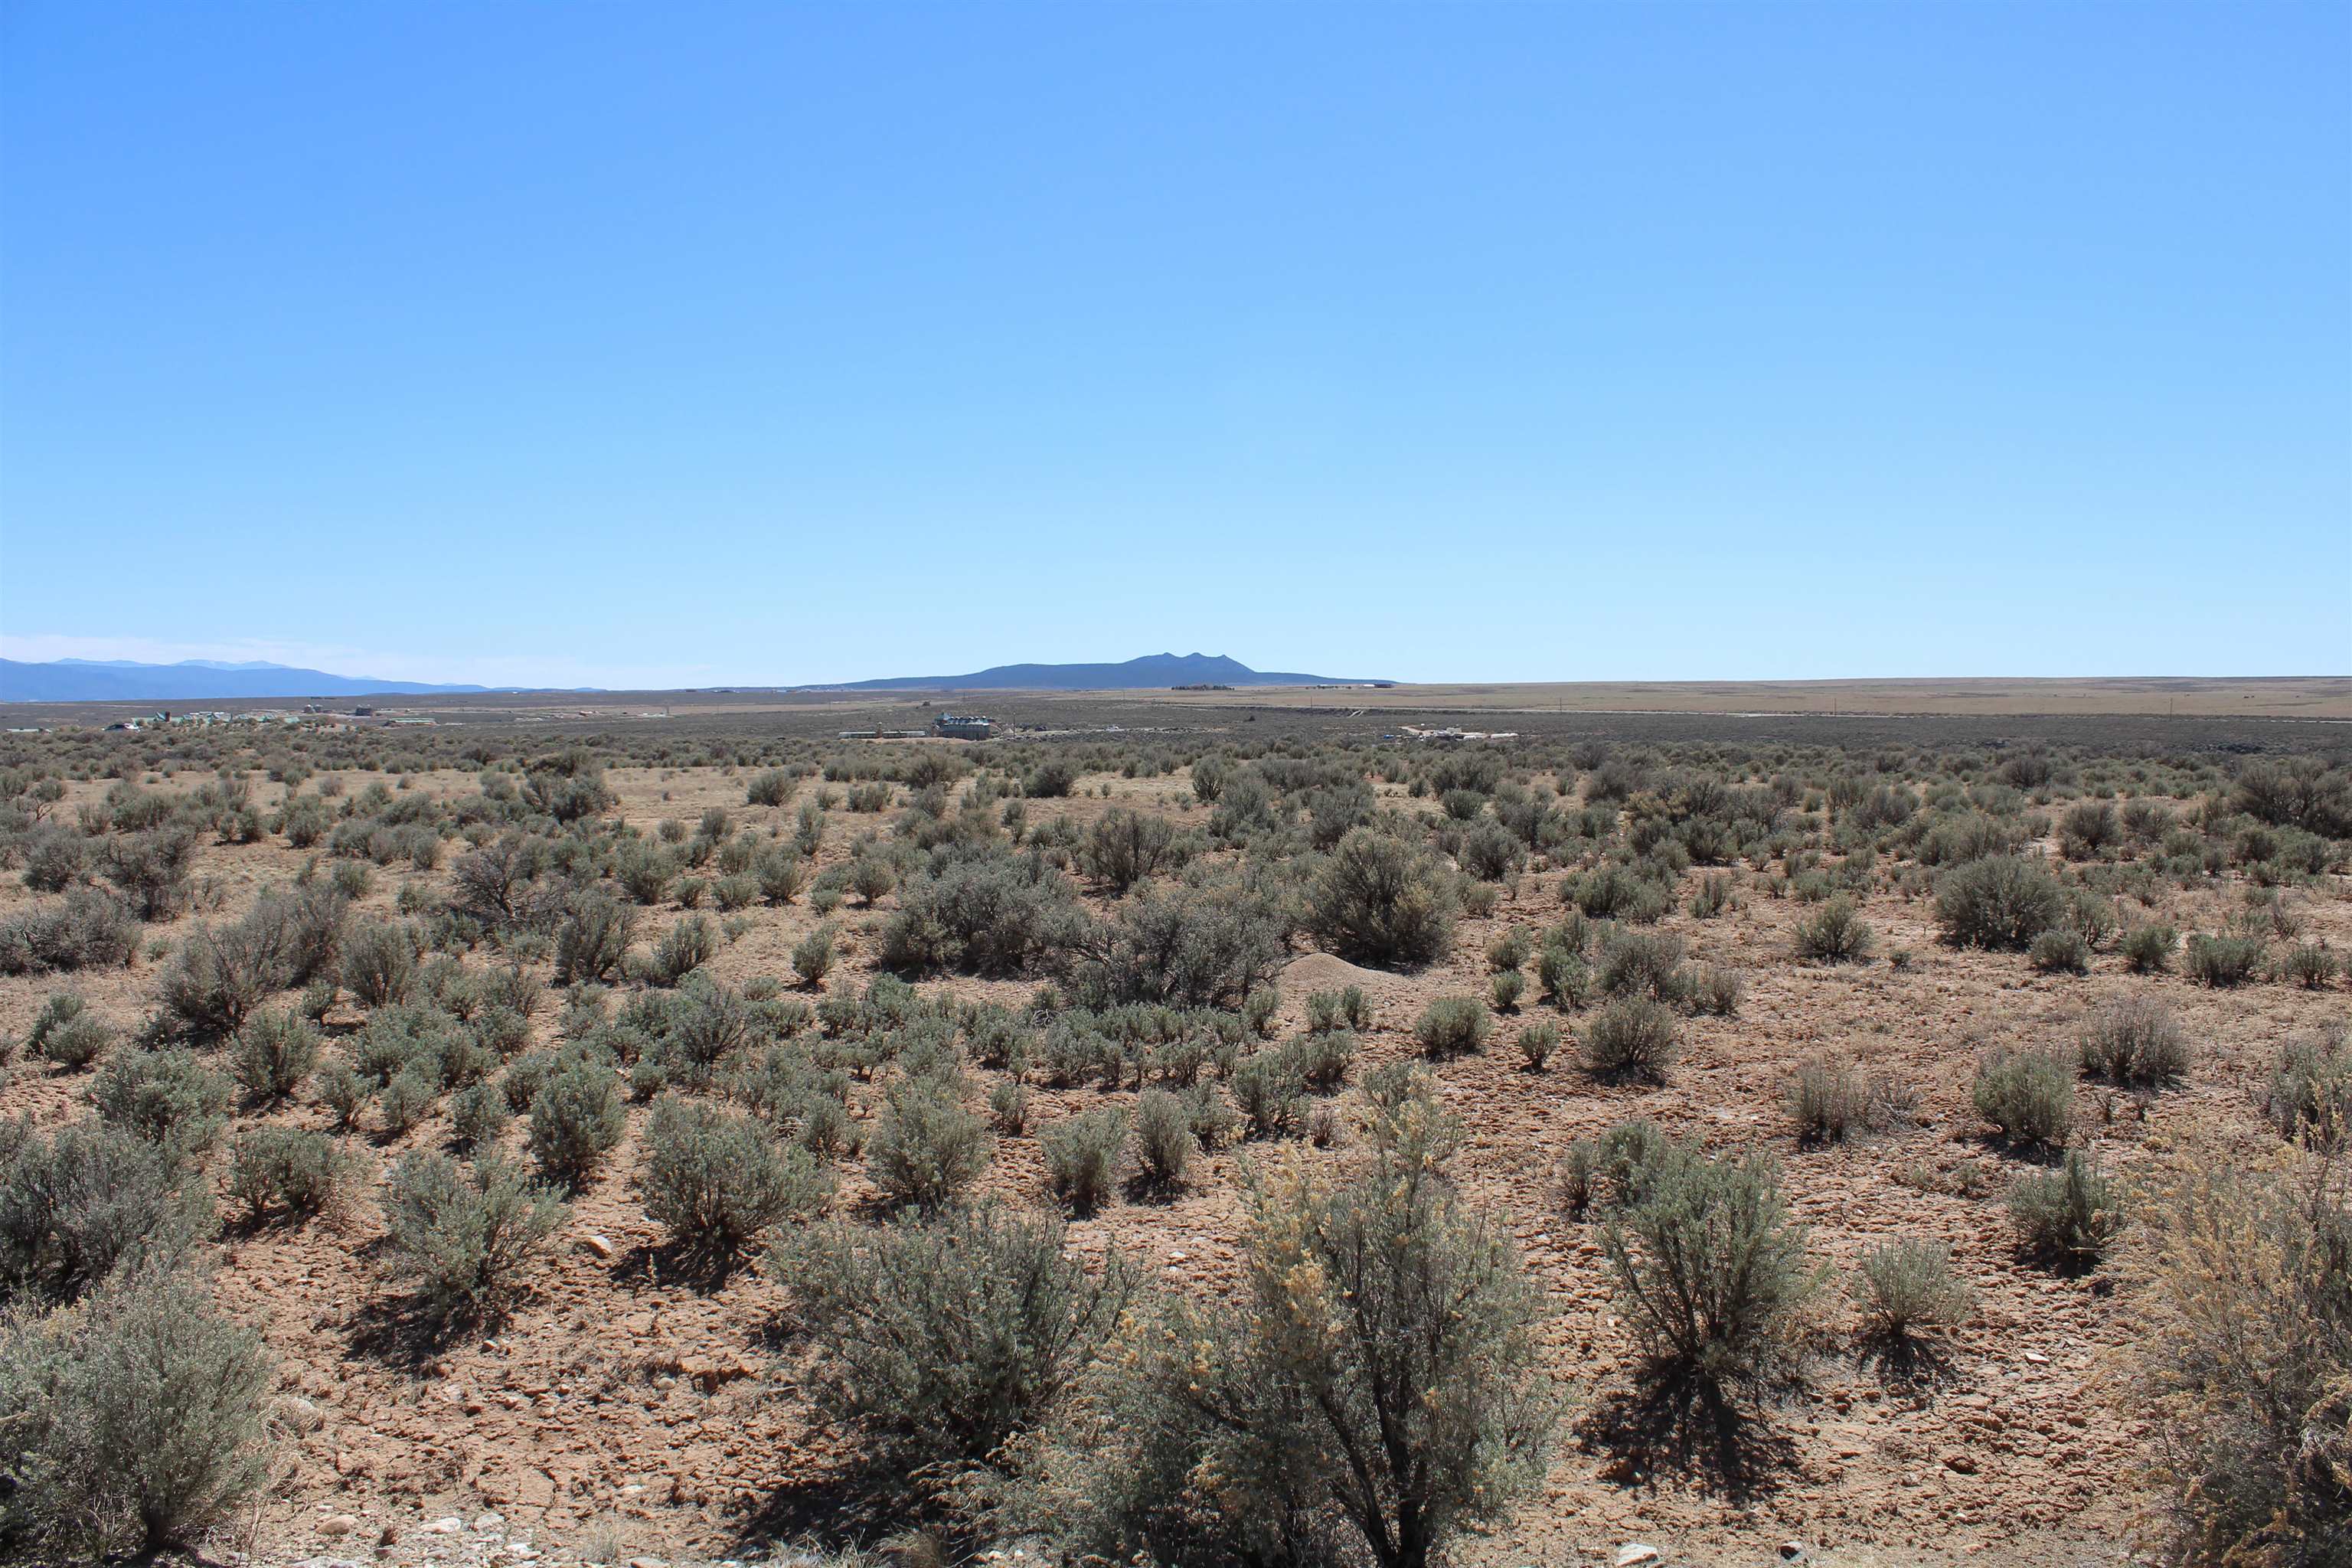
(1450, 736)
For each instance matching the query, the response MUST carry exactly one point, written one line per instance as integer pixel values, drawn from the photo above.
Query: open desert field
(1733, 1089)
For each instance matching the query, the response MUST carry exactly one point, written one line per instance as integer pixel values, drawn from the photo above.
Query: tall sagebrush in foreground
(1378, 1380)
(131, 1421)
(2248, 1373)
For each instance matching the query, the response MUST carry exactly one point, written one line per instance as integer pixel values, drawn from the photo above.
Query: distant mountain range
(1155, 669)
(190, 680)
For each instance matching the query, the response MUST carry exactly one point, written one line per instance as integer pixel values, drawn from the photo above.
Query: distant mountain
(1155, 669)
(191, 680)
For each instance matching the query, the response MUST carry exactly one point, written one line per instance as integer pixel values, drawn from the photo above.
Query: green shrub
(1083, 1156)
(1538, 1041)
(68, 1033)
(167, 1097)
(1834, 933)
(2225, 961)
(2066, 1218)
(287, 1171)
(1716, 989)
(1507, 988)
(406, 1099)
(88, 929)
(1378, 900)
(2061, 950)
(1632, 1036)
(272, 1055)
(1269, 1091)
(77, 1204)
(1377, 1392)
(345, 1091)
(773, 788)
(2000, 902)
(463, 1238)
(2309, 1095)
(1344, 1009)
(1453, 1026)
(1123, 848)
(717, 1181)
(1711, 1275)
(813, 956)
(1644, 963)
(575, 1121)
(982, 914)
(1565, 978)
(1324, 1058)
(2147, 950)
(2028, 1095)
(2311, 966)
(477, 1117)
(1829, 1100)
(944, 1338)
(929, 1148)
(592, 939)
(686, 947)
(1163, 1139)
(1906, 1289)
(379, 962)
(135, 1421)
(2241, 1360)
(2136, 1042)
(783, 876)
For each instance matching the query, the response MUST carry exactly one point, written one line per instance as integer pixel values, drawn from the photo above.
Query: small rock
(1636, 1552)
(1793, 1551)
(486, 1522)
(300, 1414)
(601, 1246)
(336, 1524)
(448, 1525)
(647, 1562)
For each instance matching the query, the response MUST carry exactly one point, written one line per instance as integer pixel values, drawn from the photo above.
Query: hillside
(1136, 674)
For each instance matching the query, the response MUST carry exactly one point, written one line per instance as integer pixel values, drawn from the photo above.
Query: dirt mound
(1321, 972)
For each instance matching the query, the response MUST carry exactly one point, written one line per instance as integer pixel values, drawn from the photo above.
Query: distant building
(964, 726)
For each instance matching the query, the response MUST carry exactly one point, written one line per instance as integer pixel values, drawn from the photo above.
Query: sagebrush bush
(463, 1238)
(575, 1121)
(66, 1033)
(1835, 933)
(1453, 1026)
(379, 962)
(717, 1181)
(2000, 902)
(2242, 1367)
(2137, 1042)
(1164, 1142)
(2225, 961)
(945, 1337)
(2066, 1218)
(2060, 951)
(135, 1421)
(1536, 1043)
(273, 1055)
(2309, 966)
(2309, 1096)
(1411, 1409)
(1269, 1092)
(287, 1172)
(1712, 1275)
(1907, 1288)
(1083, 1156)
(1829, 1100)
(2028, 1095)
(80, 1203)
(1379, 899)
(1632, 1036)
(2147, 949)
(686, 947)
(929, 1148)
(592, 938)
(88, 929)
(168, 1097)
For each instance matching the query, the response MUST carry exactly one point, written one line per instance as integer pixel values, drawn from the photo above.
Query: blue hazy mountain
(1155, 669)
(191, 680)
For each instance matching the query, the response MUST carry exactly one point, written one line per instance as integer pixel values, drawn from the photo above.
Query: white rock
(1635, 1553)
(448, 1525)
(486, 1522)
(338, 1524)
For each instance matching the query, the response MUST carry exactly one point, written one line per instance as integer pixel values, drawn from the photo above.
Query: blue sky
(636, 344)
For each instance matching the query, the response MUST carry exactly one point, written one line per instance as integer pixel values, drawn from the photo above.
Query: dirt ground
(626, 1415)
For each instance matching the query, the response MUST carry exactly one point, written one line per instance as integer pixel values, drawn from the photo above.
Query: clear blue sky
(685, 344)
